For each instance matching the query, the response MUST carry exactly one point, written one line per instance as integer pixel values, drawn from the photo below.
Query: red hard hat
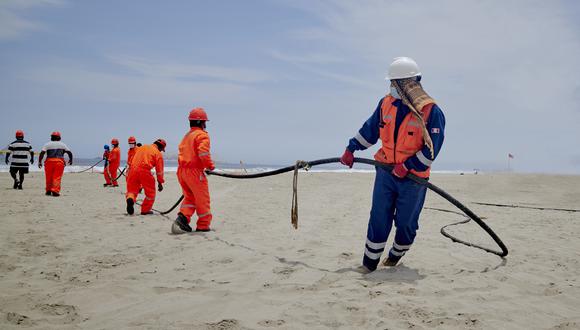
(198, 114)
(114, 141)
(162, 143)
(132, 139)
(55, 133)
(19, 133)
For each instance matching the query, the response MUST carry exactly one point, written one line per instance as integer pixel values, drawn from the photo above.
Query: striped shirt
(55, 149)
(19, 153)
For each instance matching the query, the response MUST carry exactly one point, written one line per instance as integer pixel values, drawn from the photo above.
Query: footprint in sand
(224, 325)
(18, 319)
(284, 271)
(67, 313)
(271, 323)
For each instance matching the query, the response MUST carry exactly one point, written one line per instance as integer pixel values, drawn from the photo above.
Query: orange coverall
(146, 157)
(130, 155)
(194, 157)
(53, 170)
(110, 171)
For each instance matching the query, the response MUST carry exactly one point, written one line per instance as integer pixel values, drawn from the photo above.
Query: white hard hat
(403, 67)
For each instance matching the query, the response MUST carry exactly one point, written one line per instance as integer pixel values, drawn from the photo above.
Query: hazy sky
(288, 80)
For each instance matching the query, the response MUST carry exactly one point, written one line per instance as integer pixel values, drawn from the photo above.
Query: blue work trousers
(398, 200)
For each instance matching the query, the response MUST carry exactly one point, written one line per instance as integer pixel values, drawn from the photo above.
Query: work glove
(400, 171)
(347, 158)
(31, 161)
(39, 165)
(160, 187)
(70, 162)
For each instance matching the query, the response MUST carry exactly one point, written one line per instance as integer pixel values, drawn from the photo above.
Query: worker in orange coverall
(194, 158)
(110, 171)
(146, 158)
(131, 152)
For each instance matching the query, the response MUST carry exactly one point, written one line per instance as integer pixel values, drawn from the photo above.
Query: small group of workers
(193, 160)
(112, 160)
(407, 122)
(20, 155)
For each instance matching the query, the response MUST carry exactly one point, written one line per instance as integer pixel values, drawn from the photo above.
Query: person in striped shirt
(19, 155)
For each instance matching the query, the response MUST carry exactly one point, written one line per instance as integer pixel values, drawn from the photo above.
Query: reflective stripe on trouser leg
(133, 184)
(409, 205)
(188, 204)
(194, 185)
(381, 219)
(148, 184)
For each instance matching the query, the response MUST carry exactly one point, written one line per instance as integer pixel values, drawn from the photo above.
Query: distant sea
(81, 164)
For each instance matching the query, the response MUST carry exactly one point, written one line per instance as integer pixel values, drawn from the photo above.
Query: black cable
(97, 163)
(470, 215)
(121, 174)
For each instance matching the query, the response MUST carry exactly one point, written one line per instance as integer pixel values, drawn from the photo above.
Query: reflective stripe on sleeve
(426, 161)
(362, 140)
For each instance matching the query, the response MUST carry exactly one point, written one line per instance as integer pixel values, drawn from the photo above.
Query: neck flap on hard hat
(415, 92)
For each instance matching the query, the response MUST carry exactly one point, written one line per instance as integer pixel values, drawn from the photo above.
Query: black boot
(181, 223)
(20, 185)
(15, 186)
(48, 193)
(130, 208)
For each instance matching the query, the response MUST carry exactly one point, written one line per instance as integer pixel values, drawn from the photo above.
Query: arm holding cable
(366, 137)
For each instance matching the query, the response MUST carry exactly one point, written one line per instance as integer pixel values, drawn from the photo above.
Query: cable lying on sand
(305, 165)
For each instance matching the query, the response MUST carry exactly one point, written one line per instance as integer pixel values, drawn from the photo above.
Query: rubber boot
(391, 262)
(180, 225)
(130, 206)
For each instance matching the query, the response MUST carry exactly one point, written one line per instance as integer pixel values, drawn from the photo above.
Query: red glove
(400, 171)
(347, 158)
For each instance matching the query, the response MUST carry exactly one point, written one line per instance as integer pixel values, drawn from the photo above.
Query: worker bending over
(194, 158)
(146, 158)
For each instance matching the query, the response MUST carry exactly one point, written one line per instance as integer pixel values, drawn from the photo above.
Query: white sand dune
(78, 262)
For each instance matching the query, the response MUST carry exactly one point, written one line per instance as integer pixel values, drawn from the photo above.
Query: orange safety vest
(409, 139)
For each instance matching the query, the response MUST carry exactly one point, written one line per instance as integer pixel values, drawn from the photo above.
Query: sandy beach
(79, 262)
